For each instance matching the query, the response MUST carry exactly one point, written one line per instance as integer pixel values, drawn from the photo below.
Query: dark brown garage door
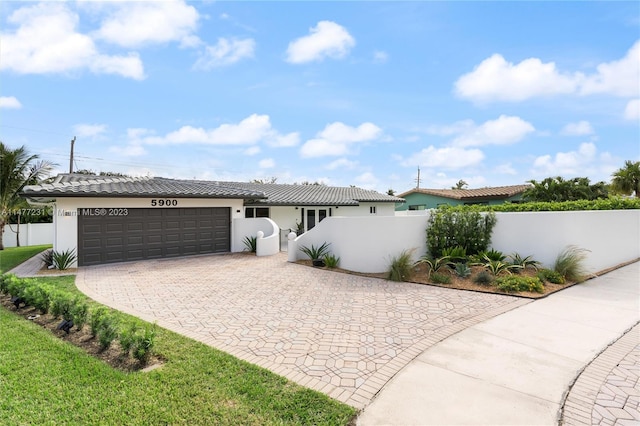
(119, 235)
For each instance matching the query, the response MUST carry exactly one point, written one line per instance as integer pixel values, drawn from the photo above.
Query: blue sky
(345, 93)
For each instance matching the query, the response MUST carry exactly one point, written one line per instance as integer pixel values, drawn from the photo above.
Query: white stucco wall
(367, 244)
(66, 220)
(250, 227)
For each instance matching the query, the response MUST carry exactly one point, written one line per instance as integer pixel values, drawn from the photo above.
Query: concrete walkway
(516, 368)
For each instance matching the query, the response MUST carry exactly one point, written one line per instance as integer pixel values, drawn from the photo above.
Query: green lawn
(44, 380)
(13, 256)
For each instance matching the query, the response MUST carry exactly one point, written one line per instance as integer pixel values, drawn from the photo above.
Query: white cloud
(285, 141)
(252, 150)
(504, 130)
(505, 169)
(252, 130)
(225, 52)
(132, 150)
(579, 128)
(566, 163)
(337, 138)
(267, 163)
(89, 130)
(495, 79)
(10, 102)
(444, 158)
(632, 111)
(619, 78)
(341, 163)
(327, 40)
(46, 41)
(136, 24)
(367, 180)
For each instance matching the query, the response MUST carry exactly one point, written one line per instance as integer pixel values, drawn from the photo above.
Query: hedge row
(612, 203)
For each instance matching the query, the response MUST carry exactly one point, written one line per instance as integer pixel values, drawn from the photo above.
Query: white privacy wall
(367, 244)
(31, 234)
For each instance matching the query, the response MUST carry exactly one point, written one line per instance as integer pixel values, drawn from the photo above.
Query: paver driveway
(341, 334)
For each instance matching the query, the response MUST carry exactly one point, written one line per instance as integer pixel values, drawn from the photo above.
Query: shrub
(449, 228)
(316, 252)
(4, 283)
(331, 260)
(250, 244)
(108, 331)
(61, 305)
(14, 285)
(143, 344)
(514, 284)
(127, 337)
(569, 264)
(524, 262)
(439, 278)
(483, 278)
(462, 270)
(492, 255)
(611, 203)
(63, 259)
(95, 319)
(550, 276)
(79, 312)
(456, 254)
(39, 296)
(401, 267)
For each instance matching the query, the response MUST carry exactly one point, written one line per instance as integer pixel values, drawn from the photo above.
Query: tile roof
(495, 192)
(314, 195)
(74, 185)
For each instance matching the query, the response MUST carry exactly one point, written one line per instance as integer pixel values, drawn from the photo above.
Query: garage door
(119, 235)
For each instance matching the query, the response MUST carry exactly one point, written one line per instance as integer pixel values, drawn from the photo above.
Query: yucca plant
(331, 260)
(569, 264)
(250, 244)
(64, 259)
(314, 252)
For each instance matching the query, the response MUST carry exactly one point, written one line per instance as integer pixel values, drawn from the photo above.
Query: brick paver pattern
(607, 392)
(342, 334)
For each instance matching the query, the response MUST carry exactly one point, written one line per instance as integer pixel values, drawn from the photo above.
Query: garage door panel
(152, 234)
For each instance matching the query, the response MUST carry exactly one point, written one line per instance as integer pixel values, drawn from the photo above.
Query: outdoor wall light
(65, 326)
(296, 207)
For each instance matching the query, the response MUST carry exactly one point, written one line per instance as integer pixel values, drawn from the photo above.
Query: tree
(18, 169)
(460, 185)
(626, 180)
(559, 189)
(272, 179)
(391, 192)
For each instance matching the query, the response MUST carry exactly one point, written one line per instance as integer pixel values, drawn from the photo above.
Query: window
(418, 207)
(256, 212)
(372, 209)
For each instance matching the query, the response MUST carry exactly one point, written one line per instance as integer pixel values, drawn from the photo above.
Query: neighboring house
(422, 199)
(115, 219)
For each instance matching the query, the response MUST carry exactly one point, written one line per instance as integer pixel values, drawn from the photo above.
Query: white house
(115, 219)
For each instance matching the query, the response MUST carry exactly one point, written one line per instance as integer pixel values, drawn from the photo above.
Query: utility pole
(418, 179)
(73, 141)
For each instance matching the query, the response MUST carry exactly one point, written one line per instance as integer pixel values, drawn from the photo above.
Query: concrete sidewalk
(516, 368)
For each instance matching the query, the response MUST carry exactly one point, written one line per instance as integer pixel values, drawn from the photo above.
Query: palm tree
(626, 180)
(18, 168)
(460, 185)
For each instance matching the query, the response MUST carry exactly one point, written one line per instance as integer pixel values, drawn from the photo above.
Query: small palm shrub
(569, 264)
(314, 252)
(439, 278)
(551, 276)
(492, 255)
(483, 278)
(456, 254)
(462, 270)
(514, 284)
(331, 260)
(250, 244)
(63, 259)
(401, 267)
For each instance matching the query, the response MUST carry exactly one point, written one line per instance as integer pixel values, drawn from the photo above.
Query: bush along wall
(612, 203)
(448, 228)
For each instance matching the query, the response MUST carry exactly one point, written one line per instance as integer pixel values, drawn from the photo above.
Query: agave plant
(434, 265)
(462, 270)
(314, 252)
(524, 262)
(63, 259)
(250, 244)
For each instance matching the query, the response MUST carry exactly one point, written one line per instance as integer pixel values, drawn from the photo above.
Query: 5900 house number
(164, 203)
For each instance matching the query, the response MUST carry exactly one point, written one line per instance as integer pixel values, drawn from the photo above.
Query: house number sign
(164, 202)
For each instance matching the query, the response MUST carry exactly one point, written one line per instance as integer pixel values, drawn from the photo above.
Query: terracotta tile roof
(495, 192)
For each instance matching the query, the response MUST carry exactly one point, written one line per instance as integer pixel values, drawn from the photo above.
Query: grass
(45, 380)
(13, 256)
